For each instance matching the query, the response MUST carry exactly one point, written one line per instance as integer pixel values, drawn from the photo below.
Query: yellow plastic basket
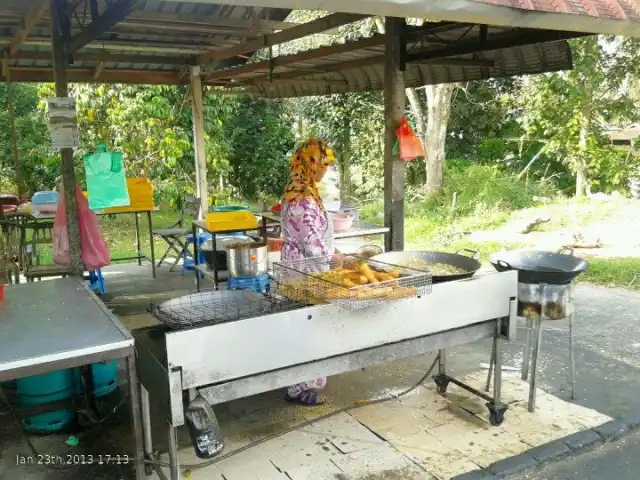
(224, 221)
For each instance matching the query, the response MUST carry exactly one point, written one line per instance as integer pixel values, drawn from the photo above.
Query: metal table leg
(572, 359)
(496, 408)
(497, 376)
(174, 469)
(146, 426)
(526, 358)
(492, 360)
(537, 341)
(139, 250)
(134, 395)
(195, 257)
(153, 251)
(442, 379)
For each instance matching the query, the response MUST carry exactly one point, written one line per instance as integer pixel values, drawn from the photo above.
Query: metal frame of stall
(240, 358)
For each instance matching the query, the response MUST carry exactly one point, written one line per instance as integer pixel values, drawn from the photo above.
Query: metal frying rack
(311, 280)
(219, 306)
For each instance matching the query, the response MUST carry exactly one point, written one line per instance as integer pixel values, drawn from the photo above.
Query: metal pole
(442, 362)
(537, 340)
(58, 8)
(526, 358)
(572, 358)
(394, 104)
(151, 245)
(134, 396)
(497, 375)
(174, 469)
(138, 248)
(197, 115)
(146, 422)
(492, 360)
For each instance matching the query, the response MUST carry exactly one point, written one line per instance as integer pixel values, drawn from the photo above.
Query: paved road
(614, 461)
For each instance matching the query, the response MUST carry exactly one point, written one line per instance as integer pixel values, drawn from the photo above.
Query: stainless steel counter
(236, 359)
(57, 324)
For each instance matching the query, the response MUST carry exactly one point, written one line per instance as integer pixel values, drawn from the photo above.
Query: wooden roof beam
(112, 15)
(336, 49)
(28, 22)
(293, 33)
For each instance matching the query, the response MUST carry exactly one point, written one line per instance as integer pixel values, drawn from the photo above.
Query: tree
(569, 110)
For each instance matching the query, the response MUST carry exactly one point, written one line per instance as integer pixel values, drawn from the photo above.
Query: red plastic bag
(93, 249)
(410, 145)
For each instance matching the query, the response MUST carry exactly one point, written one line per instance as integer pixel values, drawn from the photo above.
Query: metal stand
(533, 343)
(496, 408)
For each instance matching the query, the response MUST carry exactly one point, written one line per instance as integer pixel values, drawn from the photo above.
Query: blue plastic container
(40, 198)
(257, 284)
(43, 389)
(105, 377)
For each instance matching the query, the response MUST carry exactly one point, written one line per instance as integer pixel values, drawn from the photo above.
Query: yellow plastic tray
(222, 221)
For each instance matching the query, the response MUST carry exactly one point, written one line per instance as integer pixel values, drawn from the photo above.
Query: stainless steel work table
(57, 324)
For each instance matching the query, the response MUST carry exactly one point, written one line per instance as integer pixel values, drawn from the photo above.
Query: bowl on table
(342, 222)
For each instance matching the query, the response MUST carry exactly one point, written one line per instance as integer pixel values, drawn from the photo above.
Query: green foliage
(261, 142)
(39, 164)
(482, 188)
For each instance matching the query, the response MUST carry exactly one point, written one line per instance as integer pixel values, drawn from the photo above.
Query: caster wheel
(496, 414)
(442, 383)
(148, 469)
(496, 419)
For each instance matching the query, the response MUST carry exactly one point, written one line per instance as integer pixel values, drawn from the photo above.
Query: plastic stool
(96, 281)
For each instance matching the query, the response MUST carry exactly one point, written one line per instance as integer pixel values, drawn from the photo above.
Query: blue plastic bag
(106, 179)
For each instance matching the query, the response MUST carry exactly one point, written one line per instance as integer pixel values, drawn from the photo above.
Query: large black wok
(468, 265)
(535, 266)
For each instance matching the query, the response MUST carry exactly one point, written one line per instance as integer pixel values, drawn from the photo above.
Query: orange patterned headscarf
(311, 158)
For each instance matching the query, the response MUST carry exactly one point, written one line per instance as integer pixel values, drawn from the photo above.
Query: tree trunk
(345, 161)
(439, 109)
(582, 168)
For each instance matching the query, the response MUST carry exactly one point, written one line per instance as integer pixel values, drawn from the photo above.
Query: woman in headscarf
(307, 230)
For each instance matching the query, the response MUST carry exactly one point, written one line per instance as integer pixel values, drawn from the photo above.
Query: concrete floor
(608, 358)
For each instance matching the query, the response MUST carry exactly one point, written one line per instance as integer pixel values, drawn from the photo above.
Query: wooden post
(202, 189)
(394, 103)
(67, 169)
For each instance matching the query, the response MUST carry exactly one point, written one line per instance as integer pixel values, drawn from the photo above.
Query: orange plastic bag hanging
(409, 143)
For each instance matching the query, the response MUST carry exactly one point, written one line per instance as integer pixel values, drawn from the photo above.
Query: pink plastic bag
(93, 249)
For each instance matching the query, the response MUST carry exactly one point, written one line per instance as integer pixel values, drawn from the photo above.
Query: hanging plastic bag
(106, 179)
(409, 144)
(93, 249)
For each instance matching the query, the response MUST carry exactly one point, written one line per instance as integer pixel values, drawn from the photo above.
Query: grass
(119, 232)
(614, 272)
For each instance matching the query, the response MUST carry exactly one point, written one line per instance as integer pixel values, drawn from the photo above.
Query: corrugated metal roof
(172, 30)
(529, 59)
(613, 17)
(158, 40)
